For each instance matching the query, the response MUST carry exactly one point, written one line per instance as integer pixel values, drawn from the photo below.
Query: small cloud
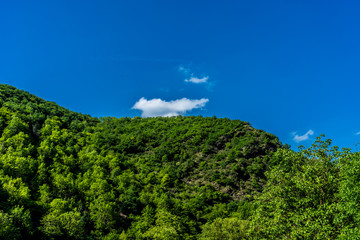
(184, 70)
(304, 137)
(358, 133)
(157, 107)
(197, 80)
(191, 76)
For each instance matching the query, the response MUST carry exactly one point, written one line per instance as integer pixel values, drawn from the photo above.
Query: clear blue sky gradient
(284, 66)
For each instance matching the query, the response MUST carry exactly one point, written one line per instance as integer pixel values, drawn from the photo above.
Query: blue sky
(288, 67)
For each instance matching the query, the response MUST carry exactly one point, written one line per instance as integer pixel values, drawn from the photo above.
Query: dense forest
(66, 175)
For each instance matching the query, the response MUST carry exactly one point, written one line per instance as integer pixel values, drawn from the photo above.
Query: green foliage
(348, 216)
(15, 224)
(300, 199)
(61, 221)
(65, 175)
(167, 226)
(225, 228)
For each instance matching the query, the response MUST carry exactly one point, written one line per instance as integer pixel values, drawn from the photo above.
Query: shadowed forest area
(66, 175)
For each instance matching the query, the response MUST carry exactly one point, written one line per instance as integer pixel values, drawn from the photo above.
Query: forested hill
(65, 175)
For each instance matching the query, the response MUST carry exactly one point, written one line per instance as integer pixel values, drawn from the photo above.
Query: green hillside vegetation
(65, 175)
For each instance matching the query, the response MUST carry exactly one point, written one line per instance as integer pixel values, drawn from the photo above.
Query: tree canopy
(66, 175)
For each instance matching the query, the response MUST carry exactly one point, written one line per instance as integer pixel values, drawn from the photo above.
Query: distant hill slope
(65, 175)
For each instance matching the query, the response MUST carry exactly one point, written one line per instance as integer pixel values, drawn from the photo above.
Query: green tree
(167, 226)
(225, 228)
(300, 198)
(15, 224)
(62, 221)
(348, 216)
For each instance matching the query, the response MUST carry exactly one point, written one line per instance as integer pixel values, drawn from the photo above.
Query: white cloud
(157, 107)
(184, 70)
(191, 77)
(197, 80)
(304, 137)
(358, 133)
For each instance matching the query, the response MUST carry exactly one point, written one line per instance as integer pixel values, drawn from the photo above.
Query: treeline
(65, 175)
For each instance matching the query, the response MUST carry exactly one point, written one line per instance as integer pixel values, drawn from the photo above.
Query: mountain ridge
(66, 175)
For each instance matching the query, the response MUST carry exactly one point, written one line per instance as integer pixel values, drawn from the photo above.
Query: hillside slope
(65, 175)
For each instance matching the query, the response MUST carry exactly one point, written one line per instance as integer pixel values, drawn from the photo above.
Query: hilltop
(66, 175)
(69, 175)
